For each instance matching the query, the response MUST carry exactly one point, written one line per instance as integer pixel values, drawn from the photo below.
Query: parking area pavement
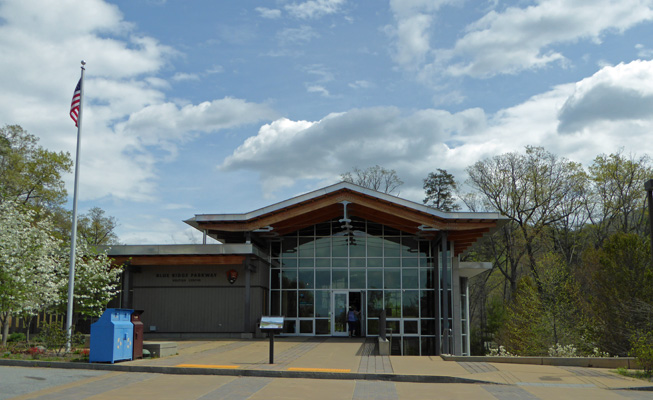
(15, 381)
(316, 368)
(125, 385)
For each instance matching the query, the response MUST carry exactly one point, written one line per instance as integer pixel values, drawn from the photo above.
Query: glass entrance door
(340, 304)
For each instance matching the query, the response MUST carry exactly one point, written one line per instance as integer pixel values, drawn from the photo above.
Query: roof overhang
(464, 228)
(204, 254)
(470, 269)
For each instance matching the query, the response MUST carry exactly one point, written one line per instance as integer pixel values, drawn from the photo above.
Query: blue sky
(201, 106)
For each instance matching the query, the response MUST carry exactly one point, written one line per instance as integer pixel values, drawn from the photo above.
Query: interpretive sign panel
(271, 323)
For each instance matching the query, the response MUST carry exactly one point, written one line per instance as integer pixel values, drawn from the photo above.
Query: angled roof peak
(327, 203)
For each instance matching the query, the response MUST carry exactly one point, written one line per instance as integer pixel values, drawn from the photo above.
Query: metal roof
(332, 189)
(326, 204)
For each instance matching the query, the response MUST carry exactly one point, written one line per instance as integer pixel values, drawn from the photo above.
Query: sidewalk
(340, 358)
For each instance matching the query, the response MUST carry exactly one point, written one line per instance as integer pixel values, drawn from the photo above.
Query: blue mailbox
(112, 336)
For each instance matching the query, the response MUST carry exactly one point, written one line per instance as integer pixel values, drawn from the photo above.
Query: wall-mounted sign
(177, 277)
(232, 275)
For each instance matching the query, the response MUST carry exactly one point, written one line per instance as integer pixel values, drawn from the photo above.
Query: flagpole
(73, 236)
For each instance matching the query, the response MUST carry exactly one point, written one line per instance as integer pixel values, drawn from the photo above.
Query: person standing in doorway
(352, 320)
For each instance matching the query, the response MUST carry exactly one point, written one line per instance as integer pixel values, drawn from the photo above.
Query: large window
(394, 272)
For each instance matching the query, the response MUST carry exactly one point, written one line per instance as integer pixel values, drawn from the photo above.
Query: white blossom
(28, 263)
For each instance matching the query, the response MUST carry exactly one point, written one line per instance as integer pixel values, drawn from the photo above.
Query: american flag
(74, 106)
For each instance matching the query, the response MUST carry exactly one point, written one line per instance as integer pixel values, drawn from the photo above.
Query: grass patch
(36, 351)
(635, 373)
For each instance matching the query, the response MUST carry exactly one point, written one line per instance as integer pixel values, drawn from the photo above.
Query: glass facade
(375, 267)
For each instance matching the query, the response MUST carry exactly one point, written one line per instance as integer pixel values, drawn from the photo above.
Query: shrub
(598, 353)
(500, 352)
(16, 337)
(55, 338)
(642, 349)
(563, 351)
(35, 352)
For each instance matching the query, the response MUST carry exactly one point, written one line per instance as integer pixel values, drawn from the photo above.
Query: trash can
(138, 334)
(112, 336)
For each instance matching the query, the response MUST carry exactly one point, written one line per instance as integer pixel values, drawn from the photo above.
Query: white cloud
(268, 13)
(411, 35)
(152, 229)
(614, 94)
(643, 51)
(164, 122)
(175, 206)
(236, 34)
(215, 69)
(295, 36)
(314, 8)
(510, 40)
(39, 19)
(157, 83)
(408, 8)
(318, 89)
(122, 90)
(286, 153)
(361, 84)
(520, 38)
(323, 73)
(413, 40)
(183, 76)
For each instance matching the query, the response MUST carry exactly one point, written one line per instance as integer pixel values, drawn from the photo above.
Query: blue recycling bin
(112, 336)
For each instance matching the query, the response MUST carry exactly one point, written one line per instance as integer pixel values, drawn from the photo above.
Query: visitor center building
(309, 259)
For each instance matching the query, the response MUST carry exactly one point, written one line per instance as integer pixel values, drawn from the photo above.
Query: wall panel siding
(197, 299)
(192, 309)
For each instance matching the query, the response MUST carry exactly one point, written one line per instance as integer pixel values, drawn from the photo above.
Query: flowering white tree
(28, 264)
(96, 281)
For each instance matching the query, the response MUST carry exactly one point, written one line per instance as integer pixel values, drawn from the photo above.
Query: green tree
(561, 316)
(579, 239)
(375, 178)
(97, 228)
(617, 201)
(617, 282)
(35, 235)
(29, 173)
(94, 226)
(440, 187)
(523, 333)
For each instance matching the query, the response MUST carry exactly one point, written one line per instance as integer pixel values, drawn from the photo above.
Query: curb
(587, 362)
(637, 388)
(244, 372)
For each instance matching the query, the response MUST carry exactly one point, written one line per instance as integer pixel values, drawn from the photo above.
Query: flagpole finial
(83, 62)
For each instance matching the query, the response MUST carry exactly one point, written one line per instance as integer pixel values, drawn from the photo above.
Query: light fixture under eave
(266, 231)
(345, 221)
(425, 230)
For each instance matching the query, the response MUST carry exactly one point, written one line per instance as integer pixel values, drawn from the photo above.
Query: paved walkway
(310, 354)
(334, 368)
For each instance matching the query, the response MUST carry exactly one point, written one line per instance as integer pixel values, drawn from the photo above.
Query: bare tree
(376, 178)
(535, 191)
